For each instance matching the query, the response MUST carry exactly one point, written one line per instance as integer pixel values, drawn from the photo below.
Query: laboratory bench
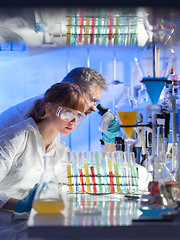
(110, 216)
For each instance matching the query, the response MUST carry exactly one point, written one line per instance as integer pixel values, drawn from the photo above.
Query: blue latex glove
(26, 205)
(112, 132)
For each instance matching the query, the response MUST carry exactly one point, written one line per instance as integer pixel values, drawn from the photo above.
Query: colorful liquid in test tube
(110, 28)
(80, 170)
(68, 39)
(80, 29)
(91, 159)
(115, 161)
(105, 27)
(86, 37)
(98, 172)
(86, 172)
(75, 173)
(122, 171)
(69, 175)
(134, 173)
(128, 167)
(111, 175)
(116, 37)
(103, 164)
(92, 30)
(99, 30)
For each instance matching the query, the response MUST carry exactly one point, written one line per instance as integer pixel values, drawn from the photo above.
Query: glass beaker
(48, 198)
(127, 108)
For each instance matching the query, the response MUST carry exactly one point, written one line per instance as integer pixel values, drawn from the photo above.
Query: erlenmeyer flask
(48, 198)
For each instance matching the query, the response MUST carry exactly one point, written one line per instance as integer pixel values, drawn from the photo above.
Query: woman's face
(64, 119)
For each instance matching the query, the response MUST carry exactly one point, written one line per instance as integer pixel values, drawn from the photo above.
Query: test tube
(69, 31)
(128, 172)
(134, 40)
(85, 160)
(75, 172)
(129, 169)
(98, 172)
(80, 170)
(92, 30)
(103, 164)
(122, 171)
(91, 159)
(134, 172)
(111, 175)
(87, 27)
(69, 172)
(116, 37)
(116, 171)
(105, 30)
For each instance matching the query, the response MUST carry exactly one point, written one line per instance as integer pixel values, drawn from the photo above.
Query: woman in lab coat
(23, 145)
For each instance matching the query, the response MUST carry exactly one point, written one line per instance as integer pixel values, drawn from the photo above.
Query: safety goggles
(68, 114)
(93, 100)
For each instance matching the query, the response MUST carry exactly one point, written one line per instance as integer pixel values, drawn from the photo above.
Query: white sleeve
(16, 113)
(3, 199)
(61, 162)
(11, 142)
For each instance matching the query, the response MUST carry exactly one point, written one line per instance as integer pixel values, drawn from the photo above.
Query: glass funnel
(127, 108)
(48, 197)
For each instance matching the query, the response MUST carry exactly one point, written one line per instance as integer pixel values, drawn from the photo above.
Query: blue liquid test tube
(103, 164)
(75, 172)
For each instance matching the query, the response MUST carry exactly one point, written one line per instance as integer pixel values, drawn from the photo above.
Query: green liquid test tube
(75, 176)
(117, 177)
(98, 172)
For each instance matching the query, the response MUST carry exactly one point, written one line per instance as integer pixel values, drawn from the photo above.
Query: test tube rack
(101, 28)
(102, 173)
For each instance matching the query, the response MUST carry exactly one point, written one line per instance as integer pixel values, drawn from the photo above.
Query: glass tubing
(101, 172)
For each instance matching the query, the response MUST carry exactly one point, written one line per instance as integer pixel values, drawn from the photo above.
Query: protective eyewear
(69, 115)
(93, 100)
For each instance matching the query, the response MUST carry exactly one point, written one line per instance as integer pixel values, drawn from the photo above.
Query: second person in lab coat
(23, 145)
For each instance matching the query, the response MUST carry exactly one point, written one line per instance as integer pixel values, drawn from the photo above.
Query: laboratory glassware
(127, 108)
(48, 198)
(152, 201)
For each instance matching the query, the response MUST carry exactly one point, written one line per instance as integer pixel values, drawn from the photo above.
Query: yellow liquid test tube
(87, 177)
(86, 36)
(69, 178)
(117, 177)
(69, 30)
(109, 163)
(116, 30)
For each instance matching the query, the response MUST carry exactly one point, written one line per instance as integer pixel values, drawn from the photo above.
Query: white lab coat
(21, 159)
(17, 112)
